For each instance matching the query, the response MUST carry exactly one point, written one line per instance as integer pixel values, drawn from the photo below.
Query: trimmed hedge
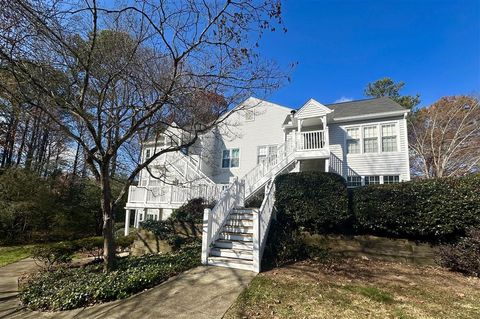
(69, 288)
(314, 201)
(432, 210)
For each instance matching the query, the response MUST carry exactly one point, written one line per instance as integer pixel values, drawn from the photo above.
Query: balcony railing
(311, 140)
(173, 194)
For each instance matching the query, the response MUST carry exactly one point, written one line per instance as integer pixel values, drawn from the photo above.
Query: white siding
(265, 129)
(392, 163)
(312, 109)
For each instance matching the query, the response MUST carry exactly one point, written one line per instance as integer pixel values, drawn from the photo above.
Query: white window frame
(268, 154)
(379, 180)
(347, 138)
(397, 133)
(354, 176)
(388, 176)
(379, 137)
(230, 158)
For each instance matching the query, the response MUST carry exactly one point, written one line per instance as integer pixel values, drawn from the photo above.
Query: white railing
(311, 140)
(187, 166)
(172, 194)
(215, 219)
(261, 224)
(268, 168)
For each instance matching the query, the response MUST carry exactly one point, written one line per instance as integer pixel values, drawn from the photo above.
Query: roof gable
(312, 109)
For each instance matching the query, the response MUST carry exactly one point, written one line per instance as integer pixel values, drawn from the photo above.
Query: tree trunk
(108, 220)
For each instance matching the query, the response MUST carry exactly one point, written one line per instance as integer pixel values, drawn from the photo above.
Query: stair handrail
(214, 219)
(261, 224)
(190, 165)
(267, 167)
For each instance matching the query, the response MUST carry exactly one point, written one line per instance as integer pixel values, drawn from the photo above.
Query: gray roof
(365, 107)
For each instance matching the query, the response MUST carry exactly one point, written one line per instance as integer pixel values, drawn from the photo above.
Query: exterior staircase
(234, 246)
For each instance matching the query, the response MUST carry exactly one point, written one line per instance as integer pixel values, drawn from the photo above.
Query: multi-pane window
(231, 158)
(389, 138)
(370, 139)
(369, 180)
(266, 153)
(354, 181)
(353, 140)
(391, 179)
(147, 154)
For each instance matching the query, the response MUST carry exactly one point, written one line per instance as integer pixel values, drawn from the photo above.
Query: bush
(463, 256)
(54, 254)
(431, 210)
(314, 201)
(192, 211)
(69, 288)
(309, 201)
(92, 246)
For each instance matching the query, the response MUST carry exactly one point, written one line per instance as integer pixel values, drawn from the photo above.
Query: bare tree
(113, 75)
(444, 138)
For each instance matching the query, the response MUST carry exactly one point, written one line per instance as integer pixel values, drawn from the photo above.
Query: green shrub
(463, 256)
(69, 288)
(431, 210)
(54, 254)
(192, 211)
(92, 246)
(124, 242)
(314, 201)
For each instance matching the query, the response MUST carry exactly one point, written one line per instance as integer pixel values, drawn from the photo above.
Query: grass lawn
(11, 254)
(354, 288)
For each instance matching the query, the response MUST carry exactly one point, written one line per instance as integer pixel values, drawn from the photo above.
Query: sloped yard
(357, 288)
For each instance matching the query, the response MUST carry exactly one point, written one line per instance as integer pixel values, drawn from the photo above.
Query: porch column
(298, 139)
(135, 219)
(327, 164)
(127, 222)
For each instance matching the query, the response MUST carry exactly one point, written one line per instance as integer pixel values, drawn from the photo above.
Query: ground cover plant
(68, 288)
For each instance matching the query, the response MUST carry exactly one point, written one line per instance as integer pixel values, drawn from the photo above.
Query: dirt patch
(359, 288)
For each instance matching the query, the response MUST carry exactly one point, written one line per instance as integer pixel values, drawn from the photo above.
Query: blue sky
(340, 46)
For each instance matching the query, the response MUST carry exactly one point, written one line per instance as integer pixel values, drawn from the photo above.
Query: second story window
(370, 139)
(147, 154)
(353, 140)
(231, 158)
(389, 138)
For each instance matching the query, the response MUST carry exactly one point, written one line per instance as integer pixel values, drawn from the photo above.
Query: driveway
(202, 292)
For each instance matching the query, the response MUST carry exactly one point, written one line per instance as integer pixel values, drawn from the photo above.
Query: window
(353, 140)
(231, 158)
(391, 179)
(369, 180)
(389, 138)
(250, 115)
(354, 181)
(370, 139)
(266, 151)
(147, 153)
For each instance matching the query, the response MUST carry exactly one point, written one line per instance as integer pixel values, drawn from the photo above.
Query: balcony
(312, 144)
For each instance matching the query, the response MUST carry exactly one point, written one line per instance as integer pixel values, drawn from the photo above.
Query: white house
(365, 141)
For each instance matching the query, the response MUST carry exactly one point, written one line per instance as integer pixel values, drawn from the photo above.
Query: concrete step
(243, 210)
(239, 222)
(235, 216)
(233, 244)
(232, 253)
(238, 229)
(236, 236)
(230, 263)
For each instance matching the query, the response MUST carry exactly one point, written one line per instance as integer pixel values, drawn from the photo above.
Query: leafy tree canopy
(387, 87)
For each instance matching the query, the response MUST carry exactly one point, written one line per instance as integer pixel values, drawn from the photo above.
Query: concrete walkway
(202, 292)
